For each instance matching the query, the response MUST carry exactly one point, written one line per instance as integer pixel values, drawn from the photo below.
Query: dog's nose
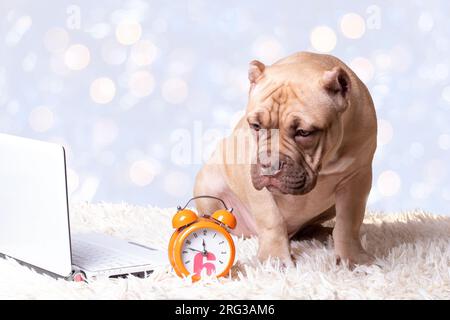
(271, 168)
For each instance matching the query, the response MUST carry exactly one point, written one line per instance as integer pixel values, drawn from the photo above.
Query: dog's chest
(299, 210)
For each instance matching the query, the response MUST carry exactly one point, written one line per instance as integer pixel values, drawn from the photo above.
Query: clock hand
(204, 253)
(204, 248)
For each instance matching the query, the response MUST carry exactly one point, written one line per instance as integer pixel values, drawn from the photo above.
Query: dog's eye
(255, 126)
(302, 133)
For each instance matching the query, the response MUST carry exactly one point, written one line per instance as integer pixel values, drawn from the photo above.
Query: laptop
(35, 226)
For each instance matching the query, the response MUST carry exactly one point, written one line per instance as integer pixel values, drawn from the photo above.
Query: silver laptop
(34, 219)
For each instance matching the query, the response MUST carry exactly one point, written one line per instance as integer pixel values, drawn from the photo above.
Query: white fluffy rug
(412, 250)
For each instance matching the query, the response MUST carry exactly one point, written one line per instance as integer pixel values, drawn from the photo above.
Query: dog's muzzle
(283, 176)
(271, 169)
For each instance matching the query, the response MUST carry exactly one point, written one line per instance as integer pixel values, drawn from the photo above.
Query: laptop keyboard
(96, 257)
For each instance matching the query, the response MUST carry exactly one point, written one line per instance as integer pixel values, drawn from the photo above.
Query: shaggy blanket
(412, 251)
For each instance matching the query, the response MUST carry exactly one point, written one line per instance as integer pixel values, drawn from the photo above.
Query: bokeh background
(116, 82)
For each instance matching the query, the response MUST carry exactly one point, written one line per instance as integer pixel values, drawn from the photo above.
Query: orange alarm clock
(202, 244)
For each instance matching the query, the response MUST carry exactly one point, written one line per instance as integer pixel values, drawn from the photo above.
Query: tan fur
(341, 157)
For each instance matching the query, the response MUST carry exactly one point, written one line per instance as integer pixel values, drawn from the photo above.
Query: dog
(311, 128)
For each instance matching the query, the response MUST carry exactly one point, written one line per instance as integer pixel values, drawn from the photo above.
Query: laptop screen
(34, 221)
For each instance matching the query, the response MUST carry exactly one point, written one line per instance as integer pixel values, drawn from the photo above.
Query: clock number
(221, 262)
(195, 235)
(222, 242)
(188, 261)
(223, 252)
(205, 232)
(215, 234)
(184, 252)
(188, 242)
(200, 263)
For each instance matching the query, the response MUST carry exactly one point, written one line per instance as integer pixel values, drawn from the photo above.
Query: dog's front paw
(276, 247)
(284, 261)
(359, 257)
(288, 263)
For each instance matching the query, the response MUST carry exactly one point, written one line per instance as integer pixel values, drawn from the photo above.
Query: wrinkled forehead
(290, 100)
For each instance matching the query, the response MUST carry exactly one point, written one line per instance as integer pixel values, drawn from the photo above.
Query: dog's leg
(351, 200)
(273, 237)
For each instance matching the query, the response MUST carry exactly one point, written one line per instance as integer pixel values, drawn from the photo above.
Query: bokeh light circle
(142, 172)
(128, 32)
(141, 83)
(353, 25)
(56, 40)
(143, 53)
(363, 68)
(102, 90)
(323, 39)
(267, 49)
(388, 183)
(77, 57)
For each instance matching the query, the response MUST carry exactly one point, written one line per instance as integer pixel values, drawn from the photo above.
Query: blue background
(183, 65)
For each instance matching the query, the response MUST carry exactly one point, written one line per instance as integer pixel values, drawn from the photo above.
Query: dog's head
(294, 112)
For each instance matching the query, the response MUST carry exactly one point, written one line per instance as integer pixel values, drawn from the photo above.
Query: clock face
(206, 251)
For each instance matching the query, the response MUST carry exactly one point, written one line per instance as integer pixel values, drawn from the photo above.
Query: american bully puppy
(312, 130)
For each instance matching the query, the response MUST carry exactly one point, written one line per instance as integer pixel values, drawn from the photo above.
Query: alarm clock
(202, 244)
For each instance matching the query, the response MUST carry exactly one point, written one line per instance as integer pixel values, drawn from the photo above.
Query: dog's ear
(337, 83)
(255, 71)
